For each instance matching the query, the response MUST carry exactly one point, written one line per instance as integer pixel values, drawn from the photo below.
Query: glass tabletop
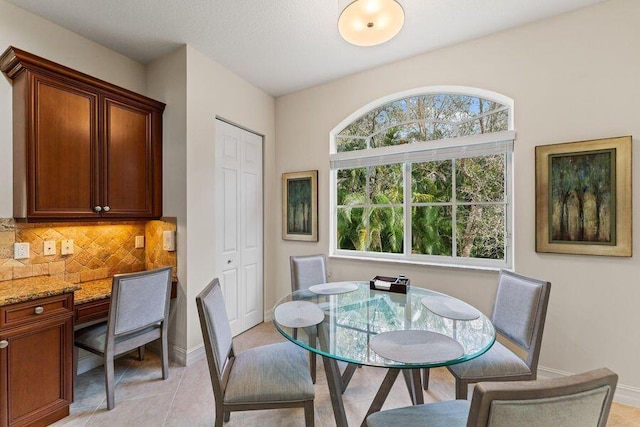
(353, 318)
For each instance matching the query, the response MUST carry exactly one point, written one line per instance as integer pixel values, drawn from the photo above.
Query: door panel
(37, 370)
(250, 225)
(252, 231)
(127, 172)
(230, 188)
(229, 284)
(64, 150)
(239, 253)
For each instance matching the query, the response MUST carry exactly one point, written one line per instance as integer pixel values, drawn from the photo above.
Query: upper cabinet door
(62, 150)
(128, 167)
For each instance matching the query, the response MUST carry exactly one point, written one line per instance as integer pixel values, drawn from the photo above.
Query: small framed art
(300, 206)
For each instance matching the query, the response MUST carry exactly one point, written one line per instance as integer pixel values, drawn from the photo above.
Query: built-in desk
(37, 318)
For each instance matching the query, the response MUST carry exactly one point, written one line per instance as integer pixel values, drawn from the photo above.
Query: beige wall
(197, 90)
(213, 91)
(167, 81)
(572, 78)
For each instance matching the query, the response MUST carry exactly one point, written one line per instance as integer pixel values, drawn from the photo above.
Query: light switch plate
(169, 240)
(66, 248)
(139, 242)
(21, 250)
(49, 247)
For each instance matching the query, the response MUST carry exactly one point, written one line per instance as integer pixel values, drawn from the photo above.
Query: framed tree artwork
(300, 206)
(583, 197)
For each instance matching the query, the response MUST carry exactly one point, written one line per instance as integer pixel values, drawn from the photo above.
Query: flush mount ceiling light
(371, 22)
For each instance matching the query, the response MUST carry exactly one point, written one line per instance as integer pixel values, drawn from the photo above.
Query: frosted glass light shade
(371, 22)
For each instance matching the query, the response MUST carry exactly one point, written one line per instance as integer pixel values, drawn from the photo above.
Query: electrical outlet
(49, 247)
(66, 248)
(139, 242)
(21, 250)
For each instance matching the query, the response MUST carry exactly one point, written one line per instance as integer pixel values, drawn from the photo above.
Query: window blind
(428, 151)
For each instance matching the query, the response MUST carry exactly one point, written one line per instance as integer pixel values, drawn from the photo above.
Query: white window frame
(474, 145)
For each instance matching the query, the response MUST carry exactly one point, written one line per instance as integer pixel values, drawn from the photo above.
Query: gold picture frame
(583, 197)
(300, 206)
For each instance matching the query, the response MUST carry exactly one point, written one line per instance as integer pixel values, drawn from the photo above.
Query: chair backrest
(138, 301)
(520, 311)
(307, 270)
(575, 401)
(216, 331)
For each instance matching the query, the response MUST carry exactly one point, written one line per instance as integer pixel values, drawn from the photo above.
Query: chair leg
(165, 356)
(141, 352)
(220, 414)
(109, 382)
(312, 358)
(308, 413)
(461, 389)
(425, 378)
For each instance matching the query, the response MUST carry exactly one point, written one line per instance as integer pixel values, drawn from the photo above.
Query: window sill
(419, 262)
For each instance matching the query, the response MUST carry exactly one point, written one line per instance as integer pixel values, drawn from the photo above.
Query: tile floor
(186, 398)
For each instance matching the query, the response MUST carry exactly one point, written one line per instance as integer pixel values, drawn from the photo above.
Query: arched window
(425, 176)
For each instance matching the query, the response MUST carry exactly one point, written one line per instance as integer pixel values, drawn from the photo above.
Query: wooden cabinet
(36, 361)
(83, 149)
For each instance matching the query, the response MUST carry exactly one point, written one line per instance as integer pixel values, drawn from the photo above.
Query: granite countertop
(28, 289)
(20, 290)
(93, 291)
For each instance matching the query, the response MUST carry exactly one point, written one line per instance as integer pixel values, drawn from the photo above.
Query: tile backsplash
(99, 250)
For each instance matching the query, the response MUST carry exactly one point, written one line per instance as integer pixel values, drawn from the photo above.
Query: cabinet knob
(107, 208)
(4, 343)
(39, 310)
(97, 208)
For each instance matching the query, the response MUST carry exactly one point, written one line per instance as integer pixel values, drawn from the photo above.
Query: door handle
(229, 261)
(39, 310)
(4, 344)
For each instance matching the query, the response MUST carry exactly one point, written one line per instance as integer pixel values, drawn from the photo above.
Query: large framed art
(583, 197)
(300, 206)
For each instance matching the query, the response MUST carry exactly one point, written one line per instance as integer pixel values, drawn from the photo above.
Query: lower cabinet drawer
(42, 308)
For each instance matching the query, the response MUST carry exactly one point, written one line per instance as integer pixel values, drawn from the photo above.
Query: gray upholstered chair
(519, 314)
(306, 271)
(138, 314)
(267, 377)
(576, 401)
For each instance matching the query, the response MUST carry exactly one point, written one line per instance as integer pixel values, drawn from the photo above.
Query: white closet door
(239, 230)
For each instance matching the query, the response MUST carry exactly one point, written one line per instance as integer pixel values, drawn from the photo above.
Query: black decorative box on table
(398, 284)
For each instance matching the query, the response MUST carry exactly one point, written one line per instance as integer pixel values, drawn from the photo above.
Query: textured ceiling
(282, 46)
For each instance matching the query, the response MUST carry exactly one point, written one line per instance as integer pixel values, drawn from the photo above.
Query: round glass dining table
(340, 322)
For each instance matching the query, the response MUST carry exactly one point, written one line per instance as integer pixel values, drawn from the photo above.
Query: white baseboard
(186, 358)
(196, 354)
(625, 394)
